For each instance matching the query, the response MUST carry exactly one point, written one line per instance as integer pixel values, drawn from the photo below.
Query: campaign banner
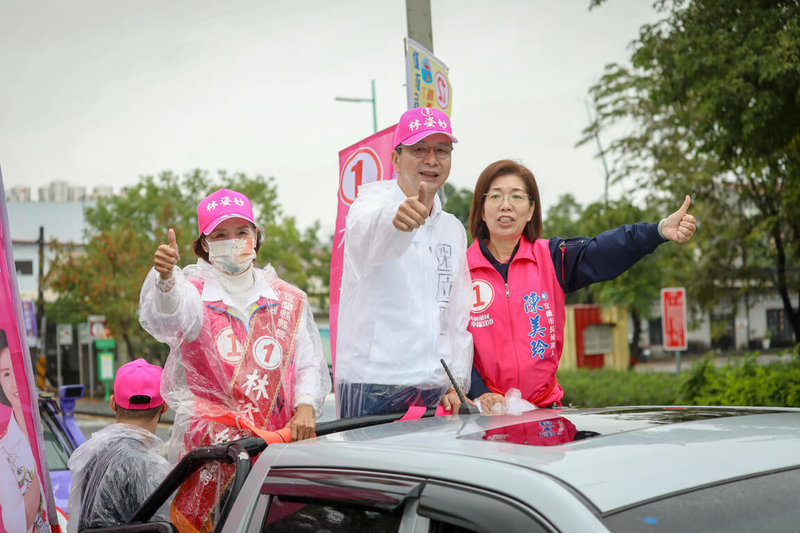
(427, 81)
(673, 318)
(365, 162)
(26, 498)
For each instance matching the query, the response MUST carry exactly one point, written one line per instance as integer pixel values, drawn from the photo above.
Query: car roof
(622, 456)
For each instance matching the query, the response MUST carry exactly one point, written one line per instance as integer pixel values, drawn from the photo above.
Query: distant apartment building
(18, 194)
(58, 191)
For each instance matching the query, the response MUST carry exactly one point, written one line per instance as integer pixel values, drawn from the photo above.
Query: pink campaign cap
(138, 385)
(219, 206)
(418, 123)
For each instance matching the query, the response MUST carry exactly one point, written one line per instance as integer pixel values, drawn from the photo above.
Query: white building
(63, 222)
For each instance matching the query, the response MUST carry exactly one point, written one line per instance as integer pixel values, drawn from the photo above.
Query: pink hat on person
(222, 205)
(137, 385)
(418, 123)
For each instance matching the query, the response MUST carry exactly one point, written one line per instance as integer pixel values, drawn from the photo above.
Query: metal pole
(374, 106)
(80, 358)
(374, 111)
(41, 377)
(91, 369)
(418, 18)
(59, 354)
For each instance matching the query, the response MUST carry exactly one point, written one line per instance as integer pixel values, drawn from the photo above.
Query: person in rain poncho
(245, 354)
(119, 466)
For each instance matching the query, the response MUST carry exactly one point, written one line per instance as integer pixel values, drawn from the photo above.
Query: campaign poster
(26, 501)
(673, 318)
(427, 80)
(366, 161)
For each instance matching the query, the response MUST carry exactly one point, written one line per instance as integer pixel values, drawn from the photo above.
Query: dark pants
(359, 399)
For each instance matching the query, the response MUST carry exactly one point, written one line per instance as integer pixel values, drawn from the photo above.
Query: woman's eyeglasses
(515, 198)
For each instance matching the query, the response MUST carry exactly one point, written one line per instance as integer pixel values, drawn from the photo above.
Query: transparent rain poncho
(112, 474)
(241, 360)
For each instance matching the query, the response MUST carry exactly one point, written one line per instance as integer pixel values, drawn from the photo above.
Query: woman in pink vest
(245, 354)
(519, 281)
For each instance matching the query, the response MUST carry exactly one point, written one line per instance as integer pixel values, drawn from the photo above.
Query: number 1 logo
(362, 167)
(482, 295)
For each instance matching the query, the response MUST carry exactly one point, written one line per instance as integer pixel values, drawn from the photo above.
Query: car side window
(295, 514)
(453, 508)
(334, 500)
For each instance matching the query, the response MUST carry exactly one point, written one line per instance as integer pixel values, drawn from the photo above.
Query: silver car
(571, 470)
(618, 469)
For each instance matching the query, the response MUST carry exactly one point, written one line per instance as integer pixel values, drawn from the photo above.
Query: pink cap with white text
(418, 123)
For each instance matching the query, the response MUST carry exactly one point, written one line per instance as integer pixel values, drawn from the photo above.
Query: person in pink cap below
(119, 466)
(245, 354)
(405, 296)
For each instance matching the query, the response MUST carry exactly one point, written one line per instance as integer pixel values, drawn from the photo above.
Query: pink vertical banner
(26, 498)
(365, 162)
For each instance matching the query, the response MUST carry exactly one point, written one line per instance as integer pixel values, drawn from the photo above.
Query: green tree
(458, 202)
(639, 286)
(713, 98)
(123, 232)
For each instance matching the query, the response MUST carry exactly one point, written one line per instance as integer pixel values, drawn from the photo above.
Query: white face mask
(233, 256)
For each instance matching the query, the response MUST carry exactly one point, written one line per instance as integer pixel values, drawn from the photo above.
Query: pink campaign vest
(239, 380)
(518, 329)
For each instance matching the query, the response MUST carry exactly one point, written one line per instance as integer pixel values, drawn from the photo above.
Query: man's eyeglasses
(421, 151)
(515, 198)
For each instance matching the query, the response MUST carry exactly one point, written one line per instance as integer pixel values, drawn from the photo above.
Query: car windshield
(56, 445)
(763, 503)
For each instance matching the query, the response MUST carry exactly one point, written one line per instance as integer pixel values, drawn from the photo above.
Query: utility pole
(40, 363)
(418, 16)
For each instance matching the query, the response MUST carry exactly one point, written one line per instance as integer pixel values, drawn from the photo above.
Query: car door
(339, 500)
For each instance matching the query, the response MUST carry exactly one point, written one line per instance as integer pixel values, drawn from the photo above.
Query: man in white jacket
(405, 284)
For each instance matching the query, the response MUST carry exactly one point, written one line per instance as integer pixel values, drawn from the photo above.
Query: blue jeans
(360, 399)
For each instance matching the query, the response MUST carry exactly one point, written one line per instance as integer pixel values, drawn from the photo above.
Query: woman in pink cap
(245, 353)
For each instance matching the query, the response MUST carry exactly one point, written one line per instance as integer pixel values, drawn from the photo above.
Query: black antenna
(465, 408)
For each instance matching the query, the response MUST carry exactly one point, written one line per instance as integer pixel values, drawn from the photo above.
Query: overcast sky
(100, 92)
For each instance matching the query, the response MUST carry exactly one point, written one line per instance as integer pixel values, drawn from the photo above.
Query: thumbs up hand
(167, 256)
(680, 225)
(412, 213)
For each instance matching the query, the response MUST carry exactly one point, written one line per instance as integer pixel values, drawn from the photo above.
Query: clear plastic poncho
(242, 357)
(112, 474)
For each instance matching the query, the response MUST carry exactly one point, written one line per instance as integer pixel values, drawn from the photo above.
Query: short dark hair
(505, 167)
(202, 254)
(138, 414)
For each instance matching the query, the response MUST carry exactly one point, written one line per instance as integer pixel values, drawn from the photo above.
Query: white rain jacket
(112, 474)
(180, 318)
(405, 301)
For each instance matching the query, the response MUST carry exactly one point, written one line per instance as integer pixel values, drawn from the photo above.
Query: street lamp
(374, 114)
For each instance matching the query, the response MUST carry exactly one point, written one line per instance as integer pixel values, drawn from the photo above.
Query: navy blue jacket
(581, 261)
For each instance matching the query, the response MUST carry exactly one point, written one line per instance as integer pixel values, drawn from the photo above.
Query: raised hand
(680, 225)
(412, 213)
(167, 256)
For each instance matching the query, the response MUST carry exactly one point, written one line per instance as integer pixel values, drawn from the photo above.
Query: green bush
(599, 388)
(743, 383)
(737, 383)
